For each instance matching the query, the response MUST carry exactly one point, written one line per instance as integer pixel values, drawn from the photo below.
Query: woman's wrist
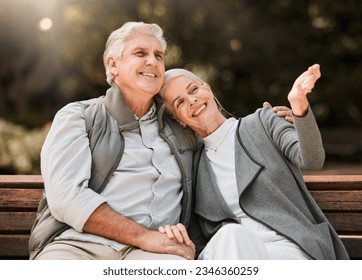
(299, 107)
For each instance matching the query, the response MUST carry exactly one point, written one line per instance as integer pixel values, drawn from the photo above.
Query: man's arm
(66, 164)
(104, 221)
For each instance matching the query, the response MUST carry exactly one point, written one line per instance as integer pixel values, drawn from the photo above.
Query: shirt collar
(151, 114)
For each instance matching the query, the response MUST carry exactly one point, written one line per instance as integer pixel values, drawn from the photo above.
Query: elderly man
(115, 168)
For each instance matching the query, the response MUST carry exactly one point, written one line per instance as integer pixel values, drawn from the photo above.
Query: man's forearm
(106, 222)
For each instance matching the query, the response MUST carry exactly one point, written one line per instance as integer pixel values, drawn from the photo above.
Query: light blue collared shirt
(146, 186)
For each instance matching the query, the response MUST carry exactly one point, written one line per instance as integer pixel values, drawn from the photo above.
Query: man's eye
(140, 53)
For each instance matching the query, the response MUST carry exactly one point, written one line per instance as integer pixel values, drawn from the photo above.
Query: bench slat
(330, 200)
(21, 181)
(20, 198)
(338, 200)
(353, 246)
(346, 222)
(14, 246)
(350, 196)
(330, 182)
(16, 221)
(340, 206)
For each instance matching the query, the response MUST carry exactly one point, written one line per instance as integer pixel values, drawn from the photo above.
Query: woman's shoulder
(263, 113)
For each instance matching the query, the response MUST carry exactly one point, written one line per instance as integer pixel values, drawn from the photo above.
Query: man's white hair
(115, 43)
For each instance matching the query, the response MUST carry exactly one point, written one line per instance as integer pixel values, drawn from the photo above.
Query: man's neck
(139, 102)
(139, 107)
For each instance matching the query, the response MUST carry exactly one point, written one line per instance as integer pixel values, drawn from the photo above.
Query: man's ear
(112, 65)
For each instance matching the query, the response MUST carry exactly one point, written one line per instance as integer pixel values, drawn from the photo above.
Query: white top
(220, 149)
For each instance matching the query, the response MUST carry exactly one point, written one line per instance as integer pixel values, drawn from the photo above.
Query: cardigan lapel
(209, 201)
(246, 167)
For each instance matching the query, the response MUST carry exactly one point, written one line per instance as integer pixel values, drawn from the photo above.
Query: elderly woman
(250, 198)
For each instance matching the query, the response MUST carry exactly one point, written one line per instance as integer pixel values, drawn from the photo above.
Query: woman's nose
(192, 100)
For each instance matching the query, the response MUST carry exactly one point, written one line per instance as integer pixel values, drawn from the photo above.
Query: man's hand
(157, 242)
(282, 111)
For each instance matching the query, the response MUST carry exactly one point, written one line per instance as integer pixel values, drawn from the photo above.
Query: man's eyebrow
(159, 52)
(146, 49)
(139, 48)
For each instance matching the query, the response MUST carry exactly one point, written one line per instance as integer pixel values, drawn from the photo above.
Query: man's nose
(151, 60)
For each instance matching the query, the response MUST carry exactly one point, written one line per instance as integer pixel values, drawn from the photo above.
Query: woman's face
(191, 103)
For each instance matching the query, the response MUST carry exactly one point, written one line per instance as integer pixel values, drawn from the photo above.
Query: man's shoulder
(96, 100)
(77, 106)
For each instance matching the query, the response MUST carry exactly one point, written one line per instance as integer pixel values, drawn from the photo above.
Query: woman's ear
(206, 85)
(182, 124)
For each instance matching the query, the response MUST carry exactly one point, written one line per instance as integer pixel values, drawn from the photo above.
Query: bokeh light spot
(45, 24)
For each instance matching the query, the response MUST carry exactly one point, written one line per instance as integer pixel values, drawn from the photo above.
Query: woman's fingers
(177, 231)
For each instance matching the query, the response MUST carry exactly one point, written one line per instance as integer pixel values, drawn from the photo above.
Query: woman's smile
(199, 110)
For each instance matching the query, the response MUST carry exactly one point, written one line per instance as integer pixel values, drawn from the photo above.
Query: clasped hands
(179, 234)
(172, 240)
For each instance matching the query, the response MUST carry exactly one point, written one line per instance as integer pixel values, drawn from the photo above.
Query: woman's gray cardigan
(268, 154)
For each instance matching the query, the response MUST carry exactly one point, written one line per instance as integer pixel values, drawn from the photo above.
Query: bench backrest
(340, 198)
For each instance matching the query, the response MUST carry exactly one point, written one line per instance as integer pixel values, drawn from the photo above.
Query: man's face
(140, 68)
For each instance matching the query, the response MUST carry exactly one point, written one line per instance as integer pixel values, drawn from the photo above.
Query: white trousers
(251, 241)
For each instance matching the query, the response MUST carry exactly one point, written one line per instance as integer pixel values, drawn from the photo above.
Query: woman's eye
(194, 89)
(179, 103)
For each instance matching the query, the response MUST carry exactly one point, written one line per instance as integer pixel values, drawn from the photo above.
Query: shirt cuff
(86, 202)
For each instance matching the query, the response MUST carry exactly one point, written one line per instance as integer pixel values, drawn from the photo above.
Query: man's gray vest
(107, 145)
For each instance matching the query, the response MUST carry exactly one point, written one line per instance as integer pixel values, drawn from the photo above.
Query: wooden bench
(340, 197)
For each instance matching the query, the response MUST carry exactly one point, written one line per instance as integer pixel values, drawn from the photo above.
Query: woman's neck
(210, 126)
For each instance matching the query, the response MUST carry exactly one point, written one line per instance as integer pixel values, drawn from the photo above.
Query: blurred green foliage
(19, 148)
(248, 50)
